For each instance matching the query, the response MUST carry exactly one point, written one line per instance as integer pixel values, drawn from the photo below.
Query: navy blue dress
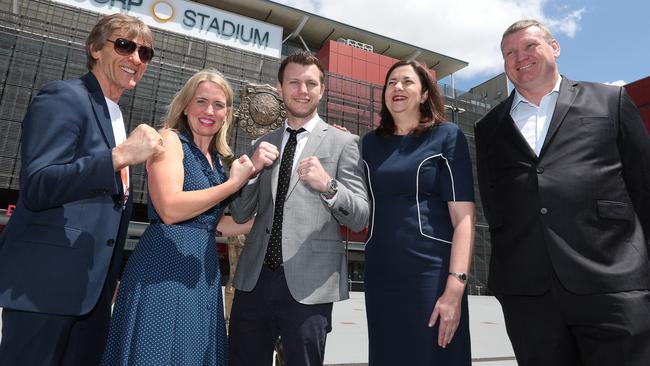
(169, 310)
(410, 180)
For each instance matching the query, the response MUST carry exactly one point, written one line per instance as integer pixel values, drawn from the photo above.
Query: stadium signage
(195, 20)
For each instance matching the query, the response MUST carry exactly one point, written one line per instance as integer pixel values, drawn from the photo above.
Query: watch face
(461, 276)
(332, 187)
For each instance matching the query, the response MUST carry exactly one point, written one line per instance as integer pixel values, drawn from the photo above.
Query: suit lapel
(103, 118)
(275, 138)
(508, 130)
(568, 92)
(100, 108)
(315, 139)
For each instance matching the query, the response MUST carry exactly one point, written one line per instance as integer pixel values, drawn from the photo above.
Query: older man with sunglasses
(61, 250)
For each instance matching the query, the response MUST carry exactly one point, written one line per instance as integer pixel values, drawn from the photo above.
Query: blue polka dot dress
(169, 309)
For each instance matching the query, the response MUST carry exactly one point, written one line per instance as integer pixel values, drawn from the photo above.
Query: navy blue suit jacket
(56, 249)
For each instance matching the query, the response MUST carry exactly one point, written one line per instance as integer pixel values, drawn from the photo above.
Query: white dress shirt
(119, 133)
(532, 120)
(301, 141)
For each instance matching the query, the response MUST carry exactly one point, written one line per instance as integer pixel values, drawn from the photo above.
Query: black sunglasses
(125, 47)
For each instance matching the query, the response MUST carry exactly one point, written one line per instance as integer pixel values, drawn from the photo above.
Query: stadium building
(42, 40)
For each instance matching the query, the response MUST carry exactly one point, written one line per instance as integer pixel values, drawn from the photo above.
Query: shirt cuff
(330, 201)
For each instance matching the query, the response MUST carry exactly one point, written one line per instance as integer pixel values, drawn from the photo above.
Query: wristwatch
(462, 276)
(332, 188)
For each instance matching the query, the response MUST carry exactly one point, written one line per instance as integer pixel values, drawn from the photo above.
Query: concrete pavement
(347, 345)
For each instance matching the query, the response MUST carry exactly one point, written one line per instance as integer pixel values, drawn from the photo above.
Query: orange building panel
(359, 54)
(372, 57)
(345, 65)
(359, 67)
(344, 49)
(372, 74)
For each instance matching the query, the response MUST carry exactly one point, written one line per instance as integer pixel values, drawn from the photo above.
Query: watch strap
(332, 189)
(461, 276)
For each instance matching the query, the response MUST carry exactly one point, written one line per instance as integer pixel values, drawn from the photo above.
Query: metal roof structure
(314, 31)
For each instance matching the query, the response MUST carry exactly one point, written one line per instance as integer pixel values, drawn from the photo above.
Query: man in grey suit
(294, 265)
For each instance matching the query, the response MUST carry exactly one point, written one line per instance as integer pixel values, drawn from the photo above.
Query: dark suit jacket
(57, 247)
(581, 209)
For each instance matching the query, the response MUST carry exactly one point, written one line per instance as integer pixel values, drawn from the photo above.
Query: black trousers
(37, 339)
(260, 316)
(560, 328)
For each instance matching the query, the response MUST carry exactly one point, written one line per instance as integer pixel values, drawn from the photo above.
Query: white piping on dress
(372, 223)
(417, 193)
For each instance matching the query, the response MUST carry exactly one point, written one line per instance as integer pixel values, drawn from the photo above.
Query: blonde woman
(169, 309)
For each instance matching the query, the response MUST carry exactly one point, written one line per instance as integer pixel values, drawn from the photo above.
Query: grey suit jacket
(313, 252)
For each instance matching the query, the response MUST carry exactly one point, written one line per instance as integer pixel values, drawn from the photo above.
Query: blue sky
(612, 44)
(601, 40)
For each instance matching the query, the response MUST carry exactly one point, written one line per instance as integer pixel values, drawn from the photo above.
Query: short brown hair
(525, 23)
(108, 24)
(302, 58)
(432, 111)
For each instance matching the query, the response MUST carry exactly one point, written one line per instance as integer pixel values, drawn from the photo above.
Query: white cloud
(568, 24)
(617, 83)
(469, 30)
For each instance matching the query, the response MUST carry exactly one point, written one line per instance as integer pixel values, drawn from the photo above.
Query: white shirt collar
(520, 98)
(309, 126)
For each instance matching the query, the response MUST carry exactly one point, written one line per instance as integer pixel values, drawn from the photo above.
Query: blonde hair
(177, 120)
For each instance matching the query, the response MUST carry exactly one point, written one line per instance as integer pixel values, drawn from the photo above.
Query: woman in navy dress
(421, 232)
(169, 308)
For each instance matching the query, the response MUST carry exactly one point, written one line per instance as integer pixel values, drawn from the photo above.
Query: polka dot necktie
(273, 257)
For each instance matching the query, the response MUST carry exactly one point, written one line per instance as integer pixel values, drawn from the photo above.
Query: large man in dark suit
(294, 264)
(61, 250)
(564, 176)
